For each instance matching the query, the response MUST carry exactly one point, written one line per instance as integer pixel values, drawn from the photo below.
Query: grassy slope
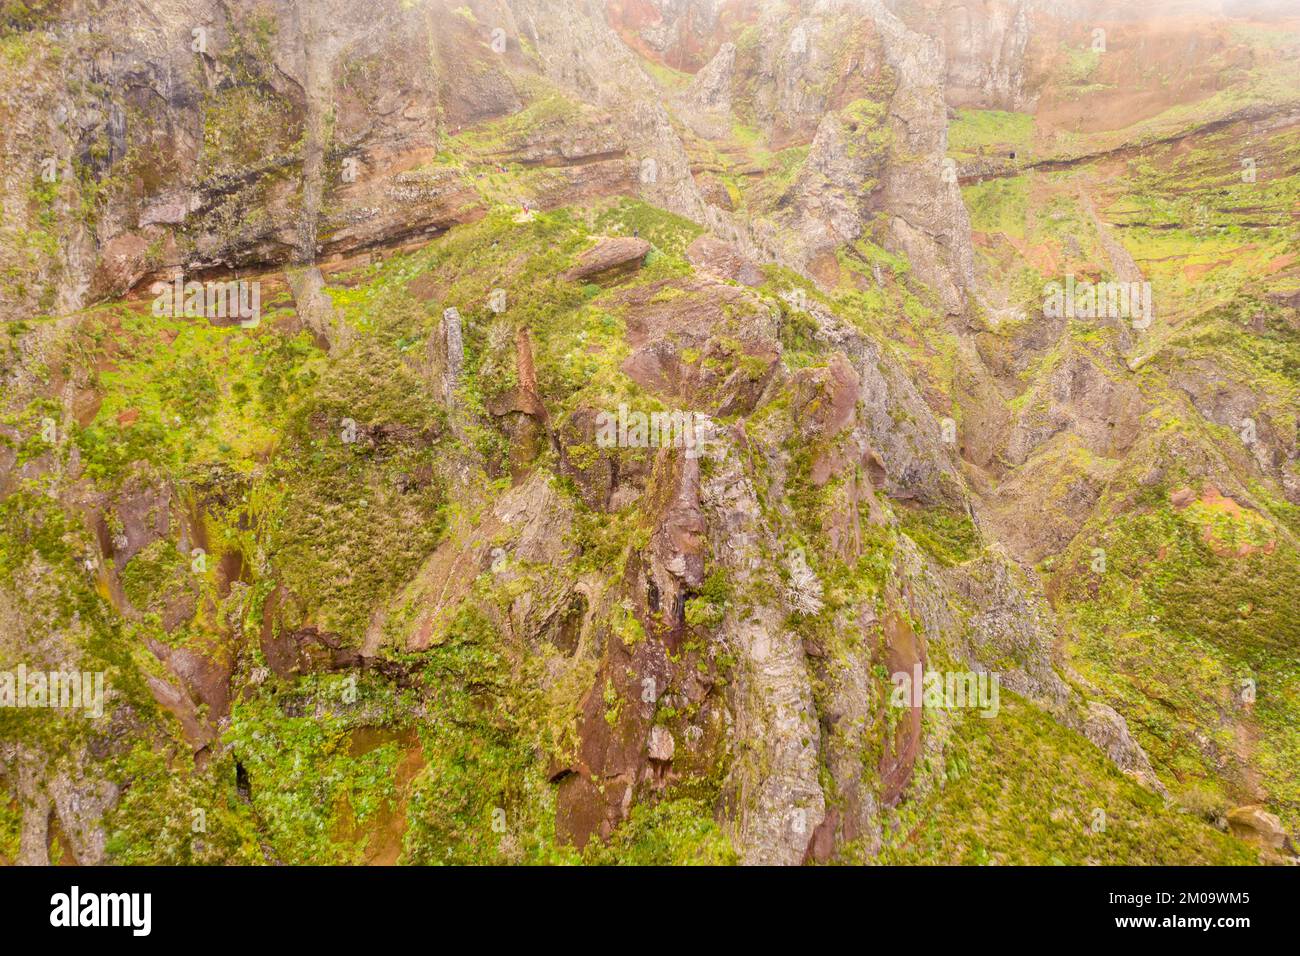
(1022, 790)
(1172, 629)
(263, 407)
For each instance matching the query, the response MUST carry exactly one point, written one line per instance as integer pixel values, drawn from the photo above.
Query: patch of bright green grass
(976, 133)
(1019, 789)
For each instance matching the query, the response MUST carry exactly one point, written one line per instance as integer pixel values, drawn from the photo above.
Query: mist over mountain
(649, 432)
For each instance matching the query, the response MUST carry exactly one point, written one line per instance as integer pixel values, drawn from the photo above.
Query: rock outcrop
(614, 440)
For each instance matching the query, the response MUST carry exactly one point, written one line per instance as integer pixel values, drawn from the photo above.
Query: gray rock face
(722, 259)
(579, 51)
(889, 165)
(155, 84)
(1109, 731)
(1009, 620)
(774, 780)
(455, 351)
(929, 222)
(986, 43)
(829, 204)
(706, 104)
(1220, 396)
(1096, 405)
(892, 420)
(213, 207)
(681, 30)
(660, 746)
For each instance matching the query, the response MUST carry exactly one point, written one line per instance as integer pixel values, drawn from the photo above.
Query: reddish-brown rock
(610, 258)
(722, 259)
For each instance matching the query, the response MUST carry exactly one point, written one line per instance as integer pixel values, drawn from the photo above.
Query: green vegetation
(951, 537)
(1175, 627)
(999, 205)
(1079, 809)
(422, 608)
(482, 797)
(670, 833)
(1079, 66)
(975, 134)
(172, 816)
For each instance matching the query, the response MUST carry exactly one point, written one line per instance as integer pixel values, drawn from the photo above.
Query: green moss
(153, 574)
(182, 391)
(1172, 629)
(949, 536)
(172, 816)
(307, 786)
(707, 608)
(667, 77)
(664, 230)
(1079, 65)
(62, 604)
(974, 133)
(11, 821)
(677, 832)
(18, 16)
(483, 796)
(999, 205)
(349, 508)
(1080, 809)
(868, 126)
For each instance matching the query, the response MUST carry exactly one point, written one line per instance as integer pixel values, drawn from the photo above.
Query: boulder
(610, 258)
(661, 744)
(1256, 825)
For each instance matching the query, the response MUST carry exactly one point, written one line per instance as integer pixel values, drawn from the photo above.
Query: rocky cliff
(623, 417)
